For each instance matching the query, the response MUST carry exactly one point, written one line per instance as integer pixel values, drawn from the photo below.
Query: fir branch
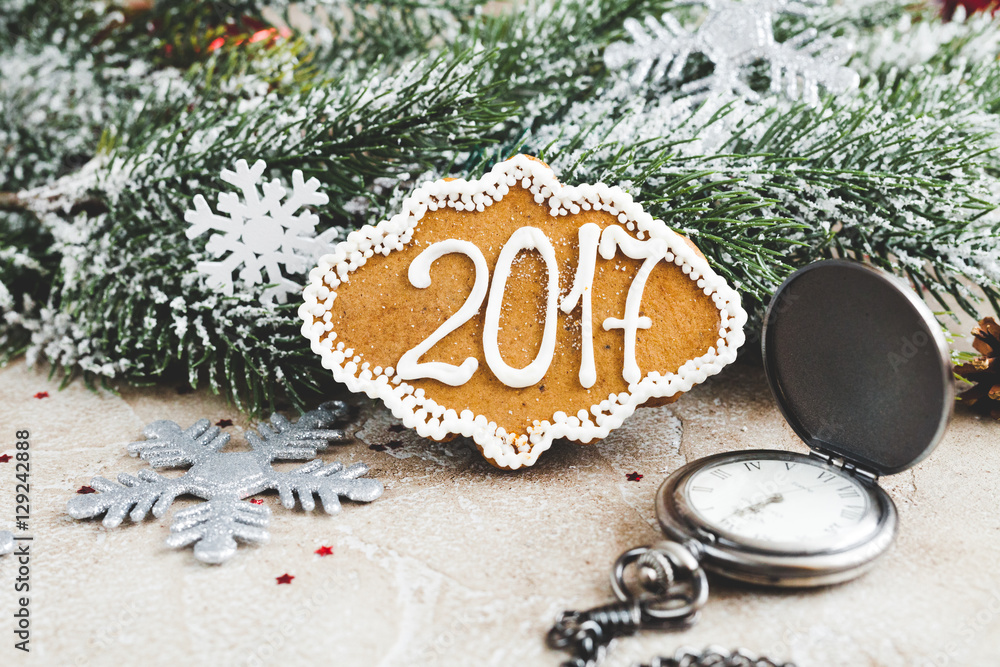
(135, 293)
(389, 31)
(27, 265)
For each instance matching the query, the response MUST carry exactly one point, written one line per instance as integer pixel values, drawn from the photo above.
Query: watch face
(787, 503)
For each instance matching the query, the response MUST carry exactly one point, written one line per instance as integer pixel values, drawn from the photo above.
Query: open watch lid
(859, 365)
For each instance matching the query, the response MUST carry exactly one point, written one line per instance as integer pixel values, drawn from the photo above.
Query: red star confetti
(5, 458)
(86, 489)
(633, 477)
(324, 551)
(223, 423)
(257, 501)
(284, 579)
(42, 394)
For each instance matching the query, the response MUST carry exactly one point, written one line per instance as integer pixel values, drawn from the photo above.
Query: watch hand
(756, 507)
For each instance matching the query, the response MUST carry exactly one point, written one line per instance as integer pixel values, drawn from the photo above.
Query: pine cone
(984, 370)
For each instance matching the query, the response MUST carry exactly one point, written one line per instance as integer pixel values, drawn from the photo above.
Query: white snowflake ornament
(225, 479)
(733, 36)
(6, 542)
(261, 235)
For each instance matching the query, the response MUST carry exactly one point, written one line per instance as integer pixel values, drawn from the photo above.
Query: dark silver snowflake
(225, 479)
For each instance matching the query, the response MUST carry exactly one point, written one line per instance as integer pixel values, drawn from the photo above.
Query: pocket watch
(860, 370)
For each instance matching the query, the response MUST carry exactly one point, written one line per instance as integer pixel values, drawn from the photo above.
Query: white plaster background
(461, 564)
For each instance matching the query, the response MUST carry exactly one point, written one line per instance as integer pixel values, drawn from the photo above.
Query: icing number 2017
(592, 241)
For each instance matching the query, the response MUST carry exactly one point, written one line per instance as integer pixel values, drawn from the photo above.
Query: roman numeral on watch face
(852, 513)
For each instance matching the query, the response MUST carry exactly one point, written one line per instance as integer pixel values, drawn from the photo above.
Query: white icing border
(431, 420)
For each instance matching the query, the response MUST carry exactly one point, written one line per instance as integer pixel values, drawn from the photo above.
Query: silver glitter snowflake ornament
(261, 235)
(733, 36)
(225, 479)
(6, 542)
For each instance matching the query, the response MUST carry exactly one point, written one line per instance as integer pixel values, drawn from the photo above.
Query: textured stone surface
(459, 563)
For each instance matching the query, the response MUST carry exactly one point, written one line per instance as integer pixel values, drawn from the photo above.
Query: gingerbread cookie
(514, 310)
